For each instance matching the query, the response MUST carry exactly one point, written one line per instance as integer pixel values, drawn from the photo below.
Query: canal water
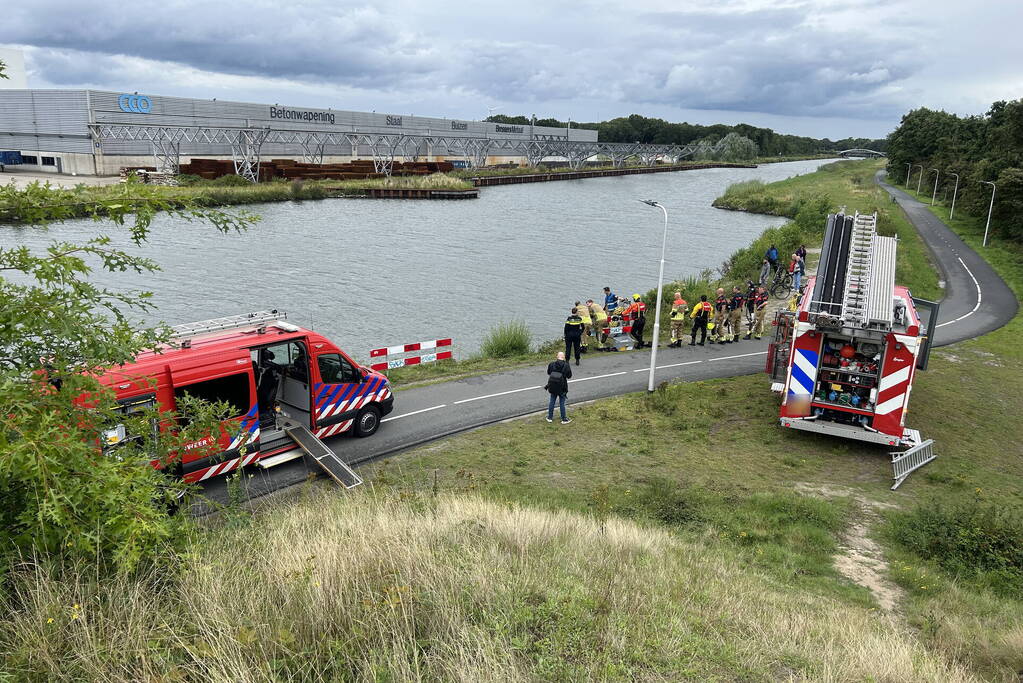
(371, 273)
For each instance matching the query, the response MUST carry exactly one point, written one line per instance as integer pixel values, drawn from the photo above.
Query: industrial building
(92, 132)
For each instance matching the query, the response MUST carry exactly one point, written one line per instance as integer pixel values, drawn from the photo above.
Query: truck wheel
(367, 422)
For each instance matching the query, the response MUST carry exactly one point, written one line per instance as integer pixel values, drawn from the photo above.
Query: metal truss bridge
(860, 153)
(246, 145)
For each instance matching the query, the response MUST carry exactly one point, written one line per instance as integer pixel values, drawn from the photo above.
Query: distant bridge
(865, 153)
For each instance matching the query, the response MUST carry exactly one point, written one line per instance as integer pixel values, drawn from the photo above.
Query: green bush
(507, 340)
(231, 181)
(190, 180)
(972, 539)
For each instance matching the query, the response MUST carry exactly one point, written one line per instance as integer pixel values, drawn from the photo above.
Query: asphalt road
(976, 301)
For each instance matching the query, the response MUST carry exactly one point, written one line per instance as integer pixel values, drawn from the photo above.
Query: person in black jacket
(558, 374)
(573, 334)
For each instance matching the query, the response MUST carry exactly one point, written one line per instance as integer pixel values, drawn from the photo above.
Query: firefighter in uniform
(720, 317)
(759, 311)
(701, 316)
(637, 311)
(736, 306)
(679, 310)
(584, 313)
(573, 334)
(598, 317)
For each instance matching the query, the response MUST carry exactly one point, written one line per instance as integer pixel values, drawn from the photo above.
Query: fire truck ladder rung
(858, 271)
(327, 459)
(226, 323)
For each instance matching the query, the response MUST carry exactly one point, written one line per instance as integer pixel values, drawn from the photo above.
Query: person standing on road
(679, 310)
(701, 316)
(610, 300)
(736, 306)
(558, 374)
(759, 311)
(584, 313)
(720, 316)
(599, 319)
(637, 311)
(573, 334)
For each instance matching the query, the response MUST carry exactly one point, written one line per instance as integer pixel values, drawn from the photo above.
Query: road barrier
(392, 363)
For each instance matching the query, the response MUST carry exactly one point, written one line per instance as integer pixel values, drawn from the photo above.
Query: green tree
(60, 493)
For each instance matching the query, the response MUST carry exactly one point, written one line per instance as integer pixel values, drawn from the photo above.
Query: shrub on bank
(973, 539)
(507, 340)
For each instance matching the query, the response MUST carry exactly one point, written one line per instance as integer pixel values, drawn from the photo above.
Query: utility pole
(909, 170)
(934, 194)
(920, 179)
(657, 308)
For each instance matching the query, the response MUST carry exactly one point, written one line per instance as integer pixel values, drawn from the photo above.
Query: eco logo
(135, 104)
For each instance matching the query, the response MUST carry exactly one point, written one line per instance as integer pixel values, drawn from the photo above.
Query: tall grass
(507, 340)
(377, 587)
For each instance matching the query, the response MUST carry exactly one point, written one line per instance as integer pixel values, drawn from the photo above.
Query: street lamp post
(990, 206)
(909, 170)
(657, 308)
(954, 191)
(937, 174)
(920, 179)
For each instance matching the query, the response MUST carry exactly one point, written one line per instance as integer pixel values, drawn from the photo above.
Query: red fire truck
(846, 359)
(289, 387)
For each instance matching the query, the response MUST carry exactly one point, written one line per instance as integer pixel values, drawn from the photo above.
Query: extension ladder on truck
(858, 271)
(327, 459)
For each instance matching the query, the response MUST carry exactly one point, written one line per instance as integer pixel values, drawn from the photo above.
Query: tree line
(978, 148)
(636, 128)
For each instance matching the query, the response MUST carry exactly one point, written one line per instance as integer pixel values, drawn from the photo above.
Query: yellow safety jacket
(678, 313)
(584, 313)
(597, 314)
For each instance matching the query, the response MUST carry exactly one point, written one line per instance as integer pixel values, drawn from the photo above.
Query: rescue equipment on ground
(846, 358)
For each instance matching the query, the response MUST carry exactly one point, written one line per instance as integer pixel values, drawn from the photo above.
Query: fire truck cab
(845, 360)
(288, 388)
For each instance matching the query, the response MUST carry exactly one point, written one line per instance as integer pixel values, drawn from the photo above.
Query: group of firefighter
(721, 320)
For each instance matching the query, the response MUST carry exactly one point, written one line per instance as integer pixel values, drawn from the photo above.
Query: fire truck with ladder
(288, 387)
(845, 360)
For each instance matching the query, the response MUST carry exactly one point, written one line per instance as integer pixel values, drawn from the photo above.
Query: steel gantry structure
(246, 144)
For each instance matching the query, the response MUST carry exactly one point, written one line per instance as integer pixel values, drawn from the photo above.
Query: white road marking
(583, 379)
(741, 355)
(414, 412)
(503, 393)
(673, 365)
(979, 296)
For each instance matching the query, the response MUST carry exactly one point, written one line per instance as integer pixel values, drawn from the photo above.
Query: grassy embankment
(679, 535)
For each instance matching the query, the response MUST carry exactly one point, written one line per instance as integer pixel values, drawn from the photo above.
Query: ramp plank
(327, 459)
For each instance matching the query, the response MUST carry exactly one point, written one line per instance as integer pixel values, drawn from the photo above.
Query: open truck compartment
(846, 359)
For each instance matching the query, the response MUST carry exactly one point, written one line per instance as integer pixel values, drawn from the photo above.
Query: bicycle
(781, 285)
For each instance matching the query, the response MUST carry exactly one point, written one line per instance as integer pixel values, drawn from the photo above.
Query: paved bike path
(977, 301)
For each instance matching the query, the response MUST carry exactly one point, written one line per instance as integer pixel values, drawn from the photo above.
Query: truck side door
(337, 393)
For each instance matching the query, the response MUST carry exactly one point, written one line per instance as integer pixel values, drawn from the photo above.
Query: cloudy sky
(827, 68)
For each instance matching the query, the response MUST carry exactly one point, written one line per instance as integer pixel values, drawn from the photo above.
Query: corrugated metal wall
(56, 120)
(49, 120)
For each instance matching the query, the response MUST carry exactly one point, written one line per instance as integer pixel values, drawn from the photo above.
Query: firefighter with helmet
(637, 311)
(759, 311)
(736, 306)
(720, 317)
